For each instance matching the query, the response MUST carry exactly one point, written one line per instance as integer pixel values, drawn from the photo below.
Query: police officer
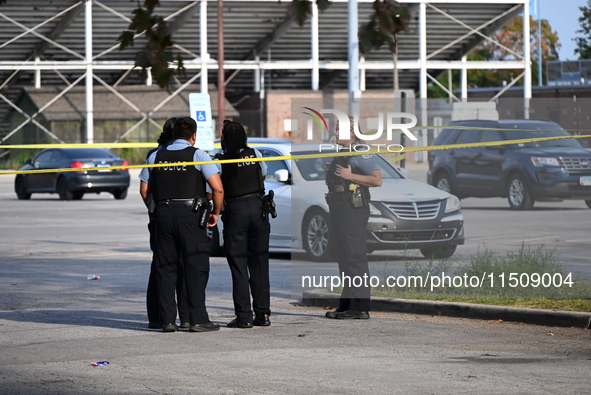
(177, 232)
(246, 229)
(348, 179)
(152, 304)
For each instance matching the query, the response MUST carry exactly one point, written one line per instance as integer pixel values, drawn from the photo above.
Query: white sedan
(404, 214)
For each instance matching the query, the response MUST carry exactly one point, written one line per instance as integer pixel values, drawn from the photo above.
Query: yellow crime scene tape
(402, 152)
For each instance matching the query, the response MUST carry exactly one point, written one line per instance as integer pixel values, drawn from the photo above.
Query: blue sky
(563, 16)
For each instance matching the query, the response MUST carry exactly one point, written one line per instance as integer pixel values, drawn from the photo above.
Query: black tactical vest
(177, 181)
(337, 184)
(248, 177)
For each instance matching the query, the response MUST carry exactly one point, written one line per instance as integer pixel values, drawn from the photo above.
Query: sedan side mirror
(29, 162)
(282, 175)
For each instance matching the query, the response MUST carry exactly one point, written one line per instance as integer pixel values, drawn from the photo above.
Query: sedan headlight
(452, 204)
(373, 210)
(541, 161)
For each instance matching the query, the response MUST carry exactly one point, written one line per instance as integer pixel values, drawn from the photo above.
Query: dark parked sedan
(91, 178)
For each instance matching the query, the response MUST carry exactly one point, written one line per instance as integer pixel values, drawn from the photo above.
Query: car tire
(20, 187)
(78, 195)
(316, 235)
(444, 252)
(63, 190)
(518, 194)
(120, 194)
(588, 203)
(443, 182)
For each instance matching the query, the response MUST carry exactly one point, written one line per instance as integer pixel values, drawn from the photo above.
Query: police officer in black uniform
(152, 304)
(246, 229)
(348, 179)
(175, 186)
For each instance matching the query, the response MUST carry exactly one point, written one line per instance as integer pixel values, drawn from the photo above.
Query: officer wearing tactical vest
(176, 187)
(348, 179)
(246, 229)
(152, 303)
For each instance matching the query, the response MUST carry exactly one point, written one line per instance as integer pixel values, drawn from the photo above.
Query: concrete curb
(322, 298)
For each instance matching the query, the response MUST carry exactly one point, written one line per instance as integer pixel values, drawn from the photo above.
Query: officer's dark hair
(233, 141)
(167, 131)
(184, 128)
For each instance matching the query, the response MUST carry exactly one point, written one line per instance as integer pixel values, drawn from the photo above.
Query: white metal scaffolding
(91, 62)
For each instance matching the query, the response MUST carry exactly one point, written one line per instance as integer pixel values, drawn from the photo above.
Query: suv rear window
(446, 136)
(531, 134)
(469, 136)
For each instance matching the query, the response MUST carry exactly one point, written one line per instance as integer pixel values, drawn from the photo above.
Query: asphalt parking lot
(54, 323)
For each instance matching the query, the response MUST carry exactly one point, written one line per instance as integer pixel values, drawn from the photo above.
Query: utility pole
(221, 75)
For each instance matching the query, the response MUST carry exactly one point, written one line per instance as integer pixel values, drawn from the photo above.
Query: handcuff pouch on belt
(203, 208)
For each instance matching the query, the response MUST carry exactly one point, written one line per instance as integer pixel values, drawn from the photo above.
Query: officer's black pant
(152, 303)
(177, 234)
(246, 243)
(348, 228)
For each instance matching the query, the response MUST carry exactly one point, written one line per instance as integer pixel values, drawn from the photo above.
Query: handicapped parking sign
(201, 116)
(200, 110)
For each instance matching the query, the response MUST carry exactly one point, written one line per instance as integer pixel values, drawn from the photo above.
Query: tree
(155, 55)
(302, 9)
(584, 43)
(510, 36)
(388, 20)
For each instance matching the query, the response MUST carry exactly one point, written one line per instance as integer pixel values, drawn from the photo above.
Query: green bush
(15, 159)
(135, 156)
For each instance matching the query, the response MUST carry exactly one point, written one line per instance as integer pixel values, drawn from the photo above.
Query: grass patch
(580, 305)
(530, 277)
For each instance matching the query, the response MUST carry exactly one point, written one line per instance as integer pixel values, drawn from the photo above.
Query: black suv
(551, 170)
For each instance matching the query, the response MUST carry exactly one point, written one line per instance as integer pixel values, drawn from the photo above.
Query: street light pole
(221, 76)
(539, 44)
(353, 55)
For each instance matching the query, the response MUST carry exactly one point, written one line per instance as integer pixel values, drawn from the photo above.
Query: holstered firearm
(269, 205)
(151, 204)
(203, 208)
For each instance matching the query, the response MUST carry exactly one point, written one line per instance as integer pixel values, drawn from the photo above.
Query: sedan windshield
(312, 169)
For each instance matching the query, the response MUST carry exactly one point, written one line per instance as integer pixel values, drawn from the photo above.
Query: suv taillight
(125, 163)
